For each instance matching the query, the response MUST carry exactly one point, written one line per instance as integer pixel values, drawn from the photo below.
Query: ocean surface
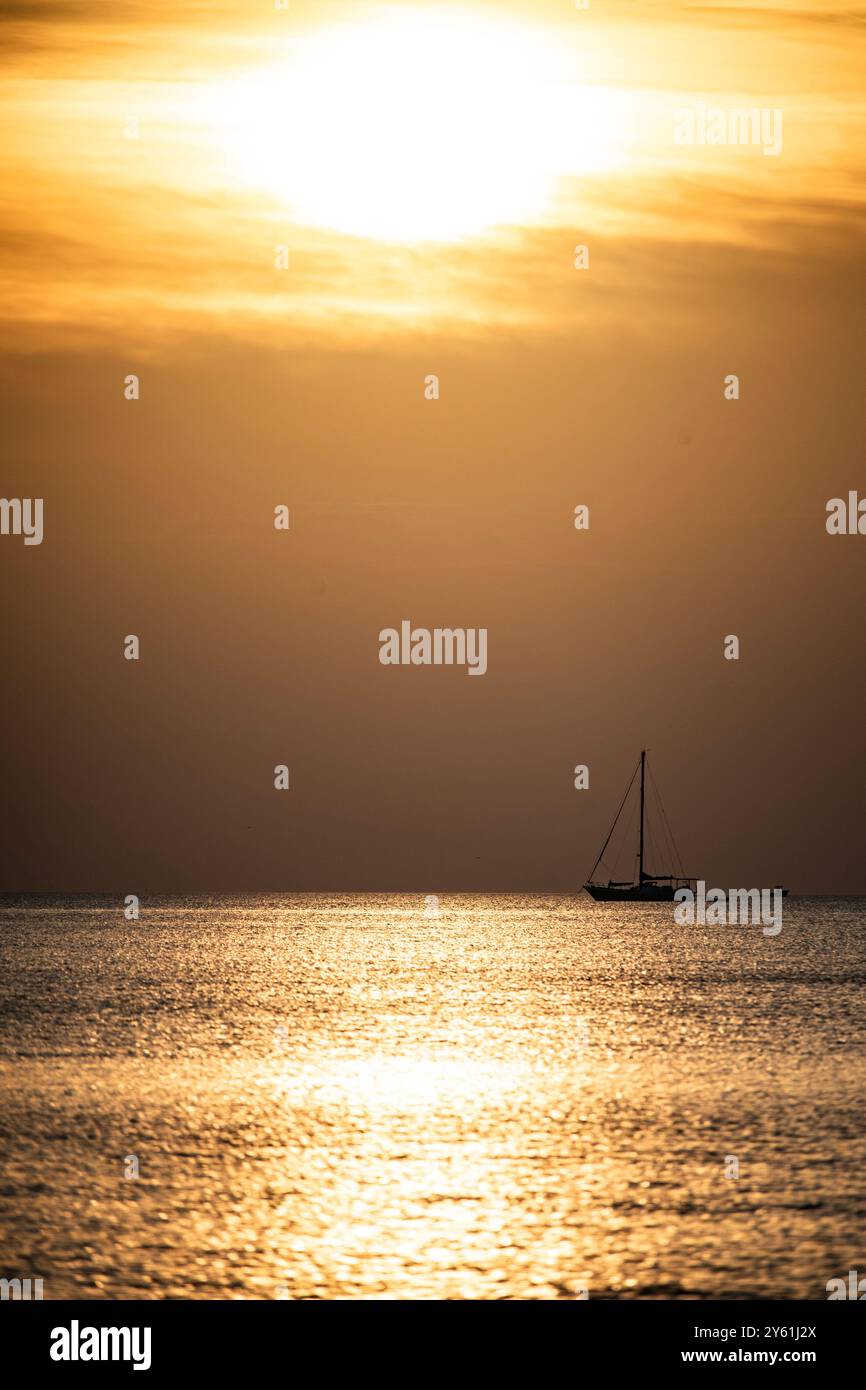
(378, 1097)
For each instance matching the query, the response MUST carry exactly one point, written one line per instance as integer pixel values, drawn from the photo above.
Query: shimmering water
(344, 1097)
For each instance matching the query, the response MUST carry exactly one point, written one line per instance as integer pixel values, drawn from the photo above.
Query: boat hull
(648, 893)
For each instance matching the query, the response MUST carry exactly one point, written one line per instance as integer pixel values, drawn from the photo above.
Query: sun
(414, 126)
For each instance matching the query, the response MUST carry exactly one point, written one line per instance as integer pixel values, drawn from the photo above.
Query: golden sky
(420, 163)
(430, 171)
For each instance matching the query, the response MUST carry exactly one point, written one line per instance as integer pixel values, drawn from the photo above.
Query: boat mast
(642, 767)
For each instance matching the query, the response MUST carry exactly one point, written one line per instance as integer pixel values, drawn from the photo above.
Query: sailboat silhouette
(646, 888)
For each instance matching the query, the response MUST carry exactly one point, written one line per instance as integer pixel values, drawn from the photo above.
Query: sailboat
(647, 887)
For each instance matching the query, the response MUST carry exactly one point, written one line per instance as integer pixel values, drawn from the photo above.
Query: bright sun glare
(416, 126)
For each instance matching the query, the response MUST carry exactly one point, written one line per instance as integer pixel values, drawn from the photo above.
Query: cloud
(750, 16)
(61, 25)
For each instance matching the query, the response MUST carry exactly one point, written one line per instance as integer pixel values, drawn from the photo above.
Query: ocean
(388, 1096)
